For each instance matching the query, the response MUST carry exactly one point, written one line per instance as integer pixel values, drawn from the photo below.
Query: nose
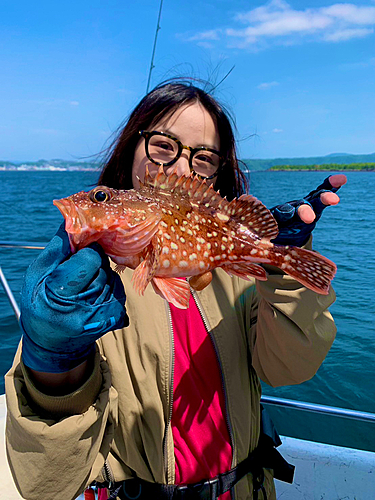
(182, 165)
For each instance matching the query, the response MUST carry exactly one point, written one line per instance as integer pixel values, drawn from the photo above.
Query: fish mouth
(70, 213)
(73, 222)
(77, 225)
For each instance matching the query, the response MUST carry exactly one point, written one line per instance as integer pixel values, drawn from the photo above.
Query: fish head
(88, 215)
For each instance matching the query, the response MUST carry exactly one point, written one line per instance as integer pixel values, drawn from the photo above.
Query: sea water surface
(345, 234)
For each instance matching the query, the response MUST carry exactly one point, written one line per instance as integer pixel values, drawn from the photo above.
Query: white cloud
(74, 103)
(277, 130)
(350, 13)
(348, 34)
(205, 35)
(277, 22)
(267, 85)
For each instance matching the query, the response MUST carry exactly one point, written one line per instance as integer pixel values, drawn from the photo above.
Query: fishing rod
(158, 27)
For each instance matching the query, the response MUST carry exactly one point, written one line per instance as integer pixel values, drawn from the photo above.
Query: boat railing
(269, 400)
(4, 282)
(361, 416)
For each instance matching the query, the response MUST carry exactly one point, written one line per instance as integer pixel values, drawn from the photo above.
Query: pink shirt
(200, 432)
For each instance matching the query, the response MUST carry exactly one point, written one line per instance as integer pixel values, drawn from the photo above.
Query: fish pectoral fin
(174, 290)
(130, 240)
(246, 271)
(142, 276)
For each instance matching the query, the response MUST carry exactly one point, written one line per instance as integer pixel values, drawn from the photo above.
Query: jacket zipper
(171, 381)
(209, 330)
(106, 469)
(108, 474)
(171, 377)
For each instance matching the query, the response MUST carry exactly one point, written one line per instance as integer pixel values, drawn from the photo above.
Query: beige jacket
(276, 330)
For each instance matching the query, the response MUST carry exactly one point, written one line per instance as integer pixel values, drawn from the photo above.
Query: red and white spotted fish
(175, 227)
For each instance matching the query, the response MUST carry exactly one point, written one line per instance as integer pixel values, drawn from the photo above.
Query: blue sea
(345, 234)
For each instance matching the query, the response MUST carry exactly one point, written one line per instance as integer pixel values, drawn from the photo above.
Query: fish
(176, 227)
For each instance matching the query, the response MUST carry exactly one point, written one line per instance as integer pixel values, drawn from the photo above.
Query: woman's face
(193, 126)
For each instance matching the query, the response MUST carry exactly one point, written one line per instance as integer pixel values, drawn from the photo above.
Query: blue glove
(67, 303)
(292, 230)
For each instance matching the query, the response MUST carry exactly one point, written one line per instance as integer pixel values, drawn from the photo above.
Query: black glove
(292, 230)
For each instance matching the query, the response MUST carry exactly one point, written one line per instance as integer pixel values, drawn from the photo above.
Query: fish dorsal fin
(251, 213)
(148, 180)
(246, 210)
(173, 182)
(192, 186)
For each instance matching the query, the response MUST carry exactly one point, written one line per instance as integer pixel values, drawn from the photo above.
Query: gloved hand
(297, 219)
(67, 303)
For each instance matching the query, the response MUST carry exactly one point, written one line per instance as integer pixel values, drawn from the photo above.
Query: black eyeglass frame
(147, 136)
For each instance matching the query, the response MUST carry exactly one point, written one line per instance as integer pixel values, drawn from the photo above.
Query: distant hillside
(251, 164)
(329, 167)
(338, 158)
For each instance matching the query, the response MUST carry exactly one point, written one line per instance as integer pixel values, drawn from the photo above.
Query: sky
(298, 76)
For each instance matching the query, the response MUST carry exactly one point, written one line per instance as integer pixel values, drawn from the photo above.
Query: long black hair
(161, 101)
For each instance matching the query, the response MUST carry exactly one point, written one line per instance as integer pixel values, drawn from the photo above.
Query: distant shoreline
(350, 167)
(247, 171)
(64, 166)
(337, 161)
(50, 166)
(332, 162)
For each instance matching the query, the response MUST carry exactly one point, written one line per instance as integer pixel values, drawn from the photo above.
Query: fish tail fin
(309, 268)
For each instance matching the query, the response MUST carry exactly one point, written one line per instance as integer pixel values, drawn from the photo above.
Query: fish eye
(100, 195)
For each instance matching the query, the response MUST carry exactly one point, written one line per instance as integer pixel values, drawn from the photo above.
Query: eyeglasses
(163, 149)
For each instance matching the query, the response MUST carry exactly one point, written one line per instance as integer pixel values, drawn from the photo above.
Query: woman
(163, 395)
